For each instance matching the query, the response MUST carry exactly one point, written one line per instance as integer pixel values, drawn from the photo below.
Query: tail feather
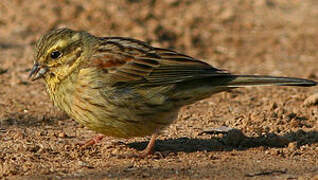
(255, 80)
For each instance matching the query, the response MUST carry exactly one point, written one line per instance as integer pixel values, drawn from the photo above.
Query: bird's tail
(255, 80)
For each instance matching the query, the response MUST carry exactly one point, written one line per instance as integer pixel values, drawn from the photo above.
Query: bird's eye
(55, 54)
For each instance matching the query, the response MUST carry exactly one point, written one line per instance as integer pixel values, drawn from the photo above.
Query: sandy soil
(276, 135)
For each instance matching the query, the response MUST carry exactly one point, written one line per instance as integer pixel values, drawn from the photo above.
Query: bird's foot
(92, 141)
(146, 152)
(150, 147)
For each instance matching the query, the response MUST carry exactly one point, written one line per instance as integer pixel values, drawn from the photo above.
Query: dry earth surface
(276, 134)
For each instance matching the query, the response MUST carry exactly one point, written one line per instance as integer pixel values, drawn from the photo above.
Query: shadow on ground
(230, 142)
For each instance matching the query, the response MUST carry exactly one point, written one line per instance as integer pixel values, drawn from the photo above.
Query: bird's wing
(130, 61)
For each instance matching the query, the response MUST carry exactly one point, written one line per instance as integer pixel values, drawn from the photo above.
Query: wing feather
(130, 60)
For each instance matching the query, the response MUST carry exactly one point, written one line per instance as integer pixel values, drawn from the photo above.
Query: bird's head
(59, 52)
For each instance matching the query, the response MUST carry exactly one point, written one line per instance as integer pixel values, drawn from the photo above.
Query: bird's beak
(37, 72)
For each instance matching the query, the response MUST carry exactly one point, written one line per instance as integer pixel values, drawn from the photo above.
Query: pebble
(311, 100)
(61, 135)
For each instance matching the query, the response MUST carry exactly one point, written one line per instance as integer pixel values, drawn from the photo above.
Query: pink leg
(150, 146)
(92, 141)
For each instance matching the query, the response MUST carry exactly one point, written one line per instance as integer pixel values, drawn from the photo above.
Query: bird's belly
(143, 126)
(123, 121)
(124, 125)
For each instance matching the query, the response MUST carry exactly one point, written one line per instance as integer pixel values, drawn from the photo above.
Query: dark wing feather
(130, 60)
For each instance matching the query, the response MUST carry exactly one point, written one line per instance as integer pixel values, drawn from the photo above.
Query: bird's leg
(92, 141)
(150, 146)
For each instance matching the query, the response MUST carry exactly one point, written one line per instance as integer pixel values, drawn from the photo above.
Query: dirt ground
(275, 136)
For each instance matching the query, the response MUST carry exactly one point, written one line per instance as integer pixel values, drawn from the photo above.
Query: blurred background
(269, 34)
(273, 37)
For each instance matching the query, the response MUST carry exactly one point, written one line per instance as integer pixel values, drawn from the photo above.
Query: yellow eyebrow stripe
(58, 45)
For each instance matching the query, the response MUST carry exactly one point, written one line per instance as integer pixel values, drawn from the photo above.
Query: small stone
(145, 174)
(83, 164)
(2, 71)
(274, 106)
(311, 100)
(61, 135)
(292, 145)
(234, 137)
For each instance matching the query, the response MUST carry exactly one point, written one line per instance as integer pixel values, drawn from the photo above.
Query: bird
(123, 87)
